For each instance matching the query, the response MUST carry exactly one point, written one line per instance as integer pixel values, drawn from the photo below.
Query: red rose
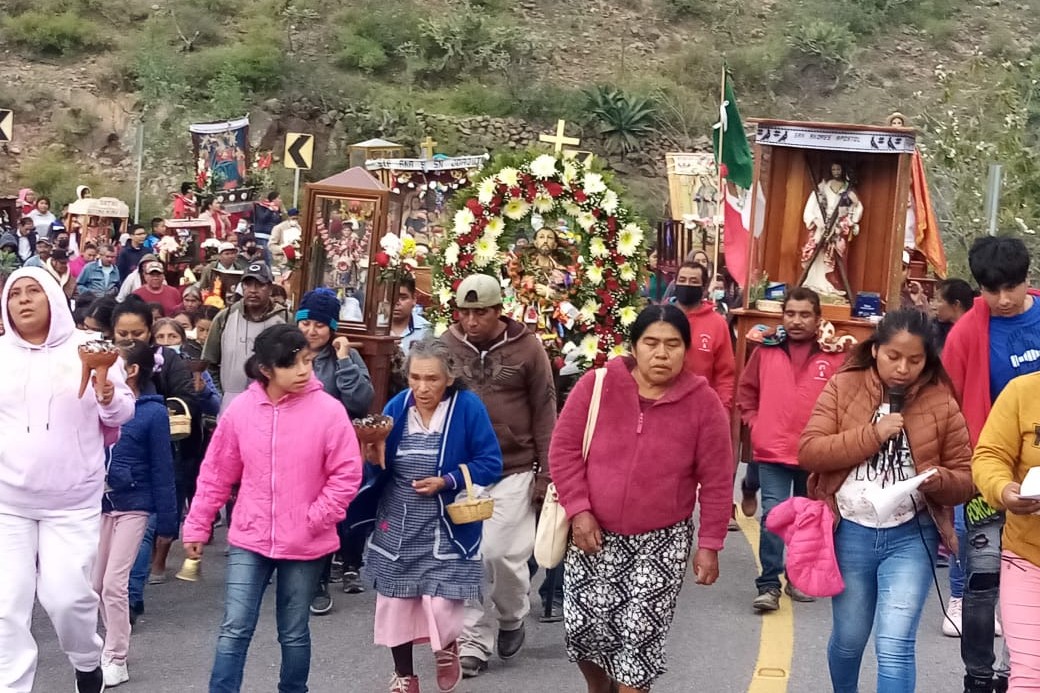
(612, 223)
(532, 191)
(600, 360)
(455, 284)
(382, 259)
(473, 204)
(449, 271)
(553, 188)
(580, 196)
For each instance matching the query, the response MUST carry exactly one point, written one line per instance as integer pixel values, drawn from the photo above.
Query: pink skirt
(435, 620)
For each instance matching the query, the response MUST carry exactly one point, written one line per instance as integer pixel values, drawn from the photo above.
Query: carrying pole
(719, 230)
(296, 190)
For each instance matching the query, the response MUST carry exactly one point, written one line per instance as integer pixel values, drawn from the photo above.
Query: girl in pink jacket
(292, 449)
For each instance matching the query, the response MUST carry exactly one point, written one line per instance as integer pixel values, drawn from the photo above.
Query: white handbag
(550, 541)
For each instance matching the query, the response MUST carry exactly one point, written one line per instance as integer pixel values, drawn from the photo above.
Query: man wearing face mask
(711, 352)
(283, 236)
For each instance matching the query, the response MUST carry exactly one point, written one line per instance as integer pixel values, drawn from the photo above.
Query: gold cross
(426, 147)
(559, 140)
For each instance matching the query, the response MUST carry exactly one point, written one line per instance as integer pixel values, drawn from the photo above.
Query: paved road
(713, 648)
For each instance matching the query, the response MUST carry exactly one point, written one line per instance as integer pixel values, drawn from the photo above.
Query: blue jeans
(887, 574)
(960, 560)
(142, 564)
(247, 576)
(778, 483)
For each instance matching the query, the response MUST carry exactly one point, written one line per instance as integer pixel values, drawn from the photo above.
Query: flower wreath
(602, 298)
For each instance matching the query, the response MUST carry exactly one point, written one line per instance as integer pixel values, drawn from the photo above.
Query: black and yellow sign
(6, 125)
(299, 150)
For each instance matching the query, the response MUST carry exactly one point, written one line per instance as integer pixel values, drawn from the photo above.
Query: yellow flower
(486, 190)
(589, 347)
(570, 172)
(544, 166)
(440, 328)
(588, 311)
(509, 176)
(571, 209)
(495, 227)
(627, 272)
(597, 248)
(616, 351)
(629, 239)
(516, 209)
(444, 295)
(544, 203)
(407, 245)
(586, 220)
(628, 315)
(594, 274)
(484, 251)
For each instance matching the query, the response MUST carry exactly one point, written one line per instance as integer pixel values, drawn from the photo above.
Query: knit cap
(320, 305)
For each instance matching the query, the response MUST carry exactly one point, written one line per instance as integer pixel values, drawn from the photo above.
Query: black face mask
(689, 295)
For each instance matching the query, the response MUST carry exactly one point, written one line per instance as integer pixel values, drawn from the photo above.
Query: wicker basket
(472, 509)
(180, 422)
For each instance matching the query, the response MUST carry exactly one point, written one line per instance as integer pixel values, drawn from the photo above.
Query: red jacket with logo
(770, 384)
(711, 351)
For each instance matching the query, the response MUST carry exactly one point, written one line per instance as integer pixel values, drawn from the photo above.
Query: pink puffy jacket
(807, 528)
(298, 464)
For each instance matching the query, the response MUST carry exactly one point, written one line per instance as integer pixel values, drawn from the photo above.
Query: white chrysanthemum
(444, 295)
(629, 239)
(544, 203)
(484, 251)
(391, 244)
(463, 220)
(586, 220)
(593, 183)
(571, 209)
(516, 209)
(495, 227)
(486, 191)
(616, 351)
(597, 248)
(509, 176)
(544, 166)
(440, 328)
(588, 312)
(570, 172)
(610, 202)
(451, 254)
(628, 315)
(594, 274)
(627, 272)
(589, 347)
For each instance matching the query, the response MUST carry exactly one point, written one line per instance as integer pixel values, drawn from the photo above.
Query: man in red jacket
(995, 342)
(711, 352)
(777, 391)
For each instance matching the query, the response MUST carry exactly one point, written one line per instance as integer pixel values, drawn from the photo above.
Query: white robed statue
(825, 267)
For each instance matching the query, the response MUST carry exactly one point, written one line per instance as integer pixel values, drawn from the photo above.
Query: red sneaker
(404, 684)
(449, 670)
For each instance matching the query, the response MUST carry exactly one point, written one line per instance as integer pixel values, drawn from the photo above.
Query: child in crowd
(139, 481)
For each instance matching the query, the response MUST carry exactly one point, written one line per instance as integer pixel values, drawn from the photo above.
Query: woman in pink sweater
(293, 451)
(661, 433)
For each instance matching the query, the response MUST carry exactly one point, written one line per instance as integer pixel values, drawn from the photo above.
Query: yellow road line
(776, 642)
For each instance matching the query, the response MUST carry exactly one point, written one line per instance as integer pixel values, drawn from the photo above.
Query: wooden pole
(722, 181)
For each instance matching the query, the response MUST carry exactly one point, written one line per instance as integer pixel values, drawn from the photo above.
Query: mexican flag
(735, 153)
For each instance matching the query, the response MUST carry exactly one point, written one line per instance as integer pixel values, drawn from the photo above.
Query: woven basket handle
(469, 482)
(179, 401)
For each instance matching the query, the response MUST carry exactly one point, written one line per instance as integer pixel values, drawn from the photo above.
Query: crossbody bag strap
(590, 423)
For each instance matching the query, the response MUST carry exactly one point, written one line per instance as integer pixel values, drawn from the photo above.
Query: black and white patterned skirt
(619, 603)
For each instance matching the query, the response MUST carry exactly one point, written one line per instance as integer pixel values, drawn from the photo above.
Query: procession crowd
(243, 412)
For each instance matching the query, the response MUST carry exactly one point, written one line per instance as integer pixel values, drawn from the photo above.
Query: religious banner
(693, 186)
(837, 140)
(221, 153)
(434, 164)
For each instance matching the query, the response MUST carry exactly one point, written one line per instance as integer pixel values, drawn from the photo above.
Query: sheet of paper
(885, 500)
(1031, 485)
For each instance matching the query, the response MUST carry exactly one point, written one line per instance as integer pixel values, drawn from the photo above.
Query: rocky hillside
(635, 78)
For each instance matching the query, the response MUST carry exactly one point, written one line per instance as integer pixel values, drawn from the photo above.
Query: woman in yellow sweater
(1008, 448)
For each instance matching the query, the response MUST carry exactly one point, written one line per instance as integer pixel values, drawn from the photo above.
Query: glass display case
(345, 217)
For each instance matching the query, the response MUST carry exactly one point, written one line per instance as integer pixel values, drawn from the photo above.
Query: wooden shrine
(793, 160)
(344, 218)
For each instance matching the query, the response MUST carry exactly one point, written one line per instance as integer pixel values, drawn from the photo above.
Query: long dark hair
(133, 305)
(916, 323)
(275, 347)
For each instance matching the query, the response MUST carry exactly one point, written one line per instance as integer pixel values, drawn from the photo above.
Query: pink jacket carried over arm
(298, 464)
(807, 528)
(646, 465)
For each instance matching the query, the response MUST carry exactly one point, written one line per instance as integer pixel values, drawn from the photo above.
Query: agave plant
(8, 264)
(624, 120)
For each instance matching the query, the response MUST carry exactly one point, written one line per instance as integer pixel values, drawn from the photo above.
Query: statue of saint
(832, 216)
(548, 273)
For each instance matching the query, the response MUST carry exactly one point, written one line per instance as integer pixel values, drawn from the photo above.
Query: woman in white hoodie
(52, 473)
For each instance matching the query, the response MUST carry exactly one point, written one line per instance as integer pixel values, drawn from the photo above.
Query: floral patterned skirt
(619, 603)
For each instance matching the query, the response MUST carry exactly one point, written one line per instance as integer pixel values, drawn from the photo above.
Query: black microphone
(896, 400)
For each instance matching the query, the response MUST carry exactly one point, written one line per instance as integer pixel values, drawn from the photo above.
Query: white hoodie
(52, 443)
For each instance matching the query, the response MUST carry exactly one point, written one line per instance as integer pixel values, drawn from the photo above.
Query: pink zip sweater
(645, 465)
(299, 466)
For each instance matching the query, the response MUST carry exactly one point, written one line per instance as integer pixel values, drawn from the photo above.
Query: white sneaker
(114, 674)
(998, 629)
(951, 626)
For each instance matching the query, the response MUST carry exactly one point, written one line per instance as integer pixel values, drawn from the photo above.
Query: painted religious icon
(832, 215)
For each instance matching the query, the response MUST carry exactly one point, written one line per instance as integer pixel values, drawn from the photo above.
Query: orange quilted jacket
(840, 436)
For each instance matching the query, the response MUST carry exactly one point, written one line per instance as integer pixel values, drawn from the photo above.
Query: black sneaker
(352, 582)
(322, 602)
(554, 615)
(510, 642)
(90, 681)
(472, 666)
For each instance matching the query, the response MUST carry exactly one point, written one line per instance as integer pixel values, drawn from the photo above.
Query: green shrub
(624, 120)
(819, 38)
(468, 41)
(64, 34)
(478, 98)
(257, 61)
(759, 67)
(55, 175)
(361, 52)
(372, 32)
(74, 125)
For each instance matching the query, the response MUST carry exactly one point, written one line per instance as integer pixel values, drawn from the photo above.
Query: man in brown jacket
(506, 365)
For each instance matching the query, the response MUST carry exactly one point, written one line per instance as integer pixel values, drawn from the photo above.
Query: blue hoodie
(140, 467)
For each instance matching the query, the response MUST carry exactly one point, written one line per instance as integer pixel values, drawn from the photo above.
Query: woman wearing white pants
(51, 480)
